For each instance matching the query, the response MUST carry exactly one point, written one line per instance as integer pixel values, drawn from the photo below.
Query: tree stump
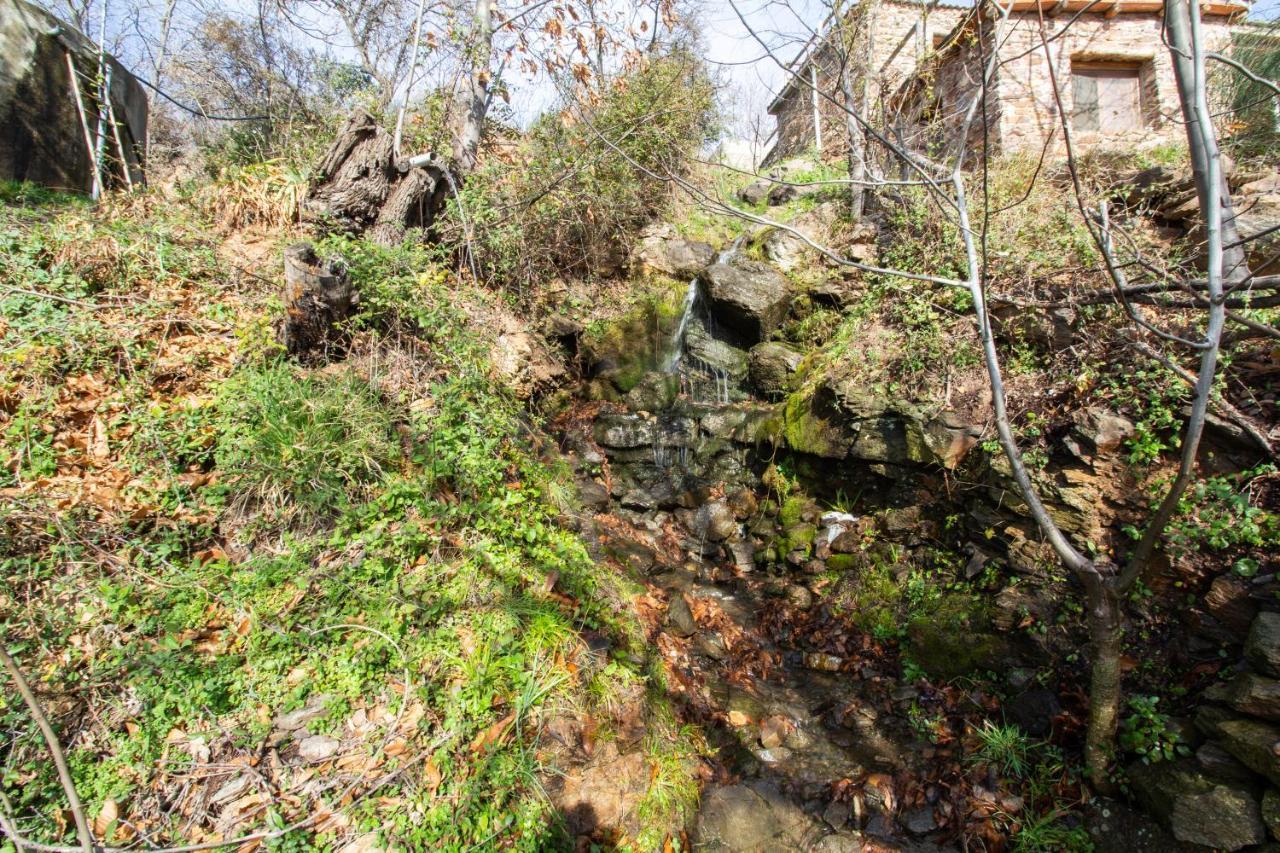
(318, 297)
(361, 186)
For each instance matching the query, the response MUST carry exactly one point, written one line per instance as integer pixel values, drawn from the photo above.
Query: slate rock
(317, 748)
(1253, 742)
(1262, 648)
(771, 366)
(1255, 694)
(749, 298)
(680, 621)
(1197, 809)
(715, 521)
(1271, 811)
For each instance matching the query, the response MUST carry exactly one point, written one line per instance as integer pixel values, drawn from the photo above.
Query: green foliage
(1048, 834)
(314, 441)
(1154, 397)
(1145, 732)
(587, 182)
(1221, 512)
(1006, 747)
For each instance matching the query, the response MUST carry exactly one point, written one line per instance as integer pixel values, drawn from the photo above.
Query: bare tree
(945, 182)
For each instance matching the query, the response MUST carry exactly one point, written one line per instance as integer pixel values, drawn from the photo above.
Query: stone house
(1113, 72)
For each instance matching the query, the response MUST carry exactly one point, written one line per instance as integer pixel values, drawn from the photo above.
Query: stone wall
(895, 52)
(1028, 110)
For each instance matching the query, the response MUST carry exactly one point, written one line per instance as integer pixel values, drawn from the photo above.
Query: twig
(55, 749)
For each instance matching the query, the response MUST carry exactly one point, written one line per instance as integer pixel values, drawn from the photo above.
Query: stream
(806, 742)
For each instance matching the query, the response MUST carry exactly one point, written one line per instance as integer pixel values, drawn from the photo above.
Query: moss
(799, 537)
(842, 562)
(805, 432)
(792, 509)
(950, 638)
(634, 343)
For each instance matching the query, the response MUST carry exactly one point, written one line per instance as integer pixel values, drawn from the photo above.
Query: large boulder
(663, 251)
(623, 431)
(772, 365)
(1198, 809)
(749, 299)
(1255, 694)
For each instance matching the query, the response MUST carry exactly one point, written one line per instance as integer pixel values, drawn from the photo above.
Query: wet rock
(715, 521)
(1197, 809)
(1034, 711)
(749, 298)
(680, 621)
(1255, 694)
(1262, 648)
(655, 392)
(711, 645)
(743, 554)
(823, 662)
(774, 730)
(771, 366)
(664, 252)
(317, 748)
(623, 431)
(837, 814)
(715, 354)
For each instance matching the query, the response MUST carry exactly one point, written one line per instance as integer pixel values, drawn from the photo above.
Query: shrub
(587, 179)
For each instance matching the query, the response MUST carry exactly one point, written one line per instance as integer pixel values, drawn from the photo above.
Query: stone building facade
(1113, 73)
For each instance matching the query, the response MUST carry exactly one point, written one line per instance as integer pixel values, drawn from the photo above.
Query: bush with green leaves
(1146, 732)
(590, 176)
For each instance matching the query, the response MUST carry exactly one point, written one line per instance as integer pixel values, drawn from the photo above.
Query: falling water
(672, 362)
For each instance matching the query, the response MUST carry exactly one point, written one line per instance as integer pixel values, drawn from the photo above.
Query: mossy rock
(792, 510)
(953, 638)
(807, 427)
(843, 562)
(626, 348)
(798, 537)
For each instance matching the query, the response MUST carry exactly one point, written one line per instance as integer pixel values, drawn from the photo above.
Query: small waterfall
(675, 354)
(672, 362)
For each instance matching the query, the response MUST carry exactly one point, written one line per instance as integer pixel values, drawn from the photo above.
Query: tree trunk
(476, 100)
(361, 186)
(318, 297)
(1104, 681)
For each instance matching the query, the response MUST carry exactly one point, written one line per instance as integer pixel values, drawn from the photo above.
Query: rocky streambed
(779, 517)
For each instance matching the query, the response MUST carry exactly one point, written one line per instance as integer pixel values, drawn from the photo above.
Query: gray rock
(313, 710)
(623, 431)
(1229, 602)
(799, 597)
(788, 247)
(919, 821)
(1253, 742)
(1255, 694)
(680, 619)
(837, 814)
(771, 367)
(655, 392)
(752, 818)
(1271, 811)
(1217, 763)
(724, 423)
(755, 192)
(664, 252)
(594, 496)
(1096, 431)
(749, 298)
(1197, 809)
(638, 499)
(317, 748)
(715, 521)
(1262, 648)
